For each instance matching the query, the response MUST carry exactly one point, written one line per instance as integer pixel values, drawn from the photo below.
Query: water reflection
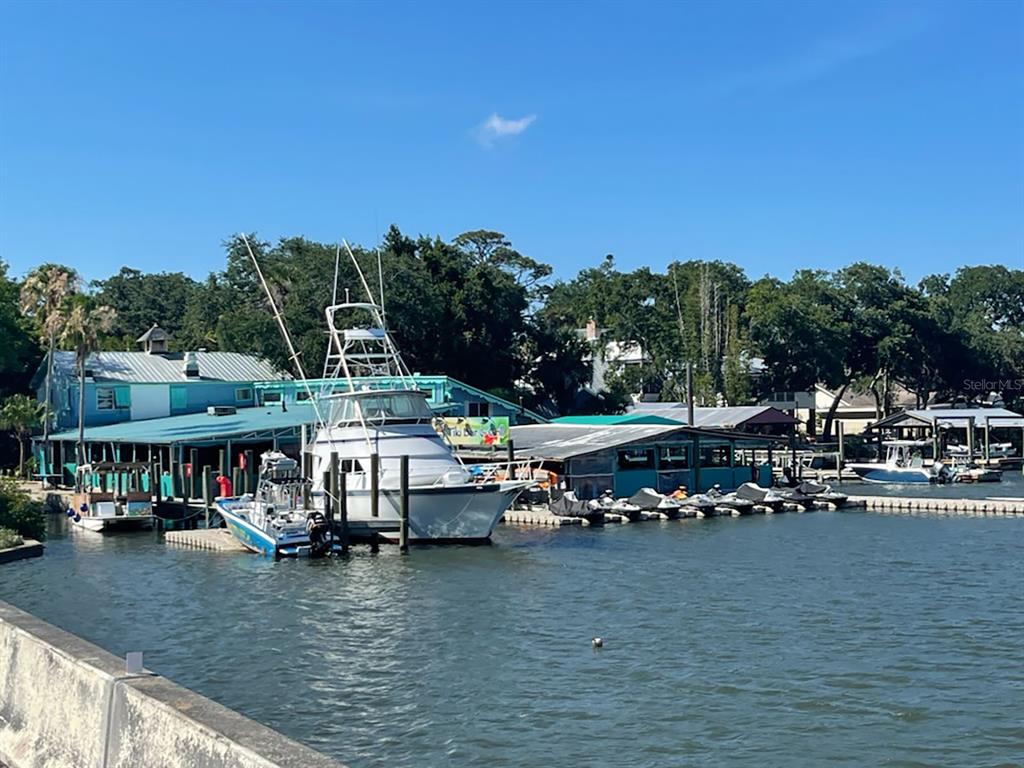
(792, 639)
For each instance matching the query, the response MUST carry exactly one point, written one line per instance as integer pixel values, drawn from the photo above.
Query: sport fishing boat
(368, 431)
(903, 463)
(372, 429)
(112, 495)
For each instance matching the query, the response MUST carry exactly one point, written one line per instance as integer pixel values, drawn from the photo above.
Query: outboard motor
(319, 534)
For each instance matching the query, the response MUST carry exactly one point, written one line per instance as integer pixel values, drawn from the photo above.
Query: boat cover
(752, 492)
(569, 506)
(646, 498)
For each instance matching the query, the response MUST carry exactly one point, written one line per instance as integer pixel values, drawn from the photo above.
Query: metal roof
(199, 427)
(146, 368)
(616, 418)
(564, 441)
(951, 417)
(726, 417)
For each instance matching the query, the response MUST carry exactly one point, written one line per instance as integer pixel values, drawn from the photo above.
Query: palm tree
(81, 328)
(19, 414)
(43, 295)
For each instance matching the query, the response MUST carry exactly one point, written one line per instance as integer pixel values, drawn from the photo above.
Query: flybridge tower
(364, 348)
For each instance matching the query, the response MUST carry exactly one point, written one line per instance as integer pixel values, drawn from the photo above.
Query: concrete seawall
(65, 703)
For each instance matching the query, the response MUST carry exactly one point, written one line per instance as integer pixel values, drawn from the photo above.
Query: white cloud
(497, 127)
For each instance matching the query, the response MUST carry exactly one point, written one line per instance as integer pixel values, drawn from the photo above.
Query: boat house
(977, 429)
(150, 383)
(628, 452)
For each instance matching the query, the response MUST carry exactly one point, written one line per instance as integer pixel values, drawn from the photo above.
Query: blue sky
(775, 135)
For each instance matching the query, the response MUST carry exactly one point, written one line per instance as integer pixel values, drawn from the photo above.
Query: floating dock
(968, 507)
(211, 539)
(539, 517)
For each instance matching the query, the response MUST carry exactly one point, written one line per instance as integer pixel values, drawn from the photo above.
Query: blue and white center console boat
(279, 520)
(904, 464)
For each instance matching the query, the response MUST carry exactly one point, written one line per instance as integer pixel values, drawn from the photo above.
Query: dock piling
(207, 492)
(332, 490)
(343, 510)
(375, 485)
(403, 540)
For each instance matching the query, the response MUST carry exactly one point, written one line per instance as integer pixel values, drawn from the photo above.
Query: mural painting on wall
(473, 430)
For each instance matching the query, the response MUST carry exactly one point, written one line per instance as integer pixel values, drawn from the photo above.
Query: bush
(19, 513)
(9, 538)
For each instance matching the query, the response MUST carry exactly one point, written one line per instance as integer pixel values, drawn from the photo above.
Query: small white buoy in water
(597, 642)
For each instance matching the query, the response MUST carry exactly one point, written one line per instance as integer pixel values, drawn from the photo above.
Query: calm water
(798, 639)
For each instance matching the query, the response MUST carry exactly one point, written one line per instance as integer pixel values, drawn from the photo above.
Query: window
(243, 395)
(636, 458)
(715, 456)
(301, 395)
(113, 398)
(392, 406)
(104, 399)
(675, 457)
(351, 465)
(179, 398)
(478, 409)
(271, 397)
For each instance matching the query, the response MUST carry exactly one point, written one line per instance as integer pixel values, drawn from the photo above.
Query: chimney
(591, 332)
(190, 366)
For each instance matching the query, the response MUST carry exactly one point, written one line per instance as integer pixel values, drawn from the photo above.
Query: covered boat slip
(593, 458)
(975, 430)
(178, 448)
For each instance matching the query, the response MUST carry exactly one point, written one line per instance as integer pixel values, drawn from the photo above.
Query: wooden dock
(212, 540)
(966, 507)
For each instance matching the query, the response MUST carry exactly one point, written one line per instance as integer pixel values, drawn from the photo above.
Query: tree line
(480, 311)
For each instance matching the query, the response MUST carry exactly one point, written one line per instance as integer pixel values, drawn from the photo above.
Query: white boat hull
(439, 514)
(99, 524)
(884, 473)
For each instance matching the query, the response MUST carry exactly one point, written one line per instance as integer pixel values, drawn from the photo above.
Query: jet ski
(608, 504)
(764, 497)
(698, 505)
(730, 501)
(567, 505)
(649, 500)
(822, 493)
(795, 496)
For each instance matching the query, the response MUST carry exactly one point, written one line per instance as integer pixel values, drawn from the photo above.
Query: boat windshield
(381, 406)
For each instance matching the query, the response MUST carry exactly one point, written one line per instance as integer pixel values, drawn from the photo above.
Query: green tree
(82, 327)
(801, 330)
(20, 414)
(19, 352)
(19, 513)
(43, 297)
(141, 299)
